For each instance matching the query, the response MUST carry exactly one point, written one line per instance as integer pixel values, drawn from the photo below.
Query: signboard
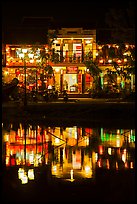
(72, 70)
(78, 47)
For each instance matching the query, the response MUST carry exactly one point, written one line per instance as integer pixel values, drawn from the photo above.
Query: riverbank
(75, 112)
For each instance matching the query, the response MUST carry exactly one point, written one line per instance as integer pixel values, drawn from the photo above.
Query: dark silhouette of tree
(122, 23)
(49, 69)
(94, 71)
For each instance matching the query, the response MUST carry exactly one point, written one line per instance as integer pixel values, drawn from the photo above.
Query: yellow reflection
(24, 179)
(126, 164)
(6, 137)
(123, 157)
(21, 173)
(109, 150)
(131, 165)
(118, 143)
(31, 158)
(37, 159)
(57, 141)
(96, 156)
(7, 160)
(71, 175)
(88, 171)
(99, 163)
(31, 174)
(116, 165)
(54, 170)
(108, 166)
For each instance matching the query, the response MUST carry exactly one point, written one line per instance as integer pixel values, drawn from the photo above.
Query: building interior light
(21, 55)
(24, 50)
(88, 41)
(109, 61)
(30, 55)
(55, 41)
(31, 61)
(101, 61)
(57, 69)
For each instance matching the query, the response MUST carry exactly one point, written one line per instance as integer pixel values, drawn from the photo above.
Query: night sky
(80, 12)
(87, 14)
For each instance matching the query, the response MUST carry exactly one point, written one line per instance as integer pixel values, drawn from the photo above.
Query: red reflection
(100, 147)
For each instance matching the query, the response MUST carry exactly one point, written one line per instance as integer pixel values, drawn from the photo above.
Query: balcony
(71, 57)
(63, 58)
(17, 62)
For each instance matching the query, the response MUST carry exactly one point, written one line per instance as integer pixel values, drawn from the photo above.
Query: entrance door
(70, 83)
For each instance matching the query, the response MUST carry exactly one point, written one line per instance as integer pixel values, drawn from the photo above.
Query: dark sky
(89, 12)
(86, 14)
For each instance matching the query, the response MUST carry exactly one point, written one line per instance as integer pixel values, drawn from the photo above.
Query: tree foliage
(122, 23)
(94, 70)
(49, 69)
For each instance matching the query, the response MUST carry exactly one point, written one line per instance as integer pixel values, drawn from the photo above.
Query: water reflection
(70, 153)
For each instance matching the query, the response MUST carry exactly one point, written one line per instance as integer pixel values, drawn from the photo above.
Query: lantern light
(119, 61)
(31, 55)
(101, 61)
(109, 61)
(31, 61)
(88, 41)
(57, 69)
(21, 55)
(125, 60)
(55, 41)
(24, 50)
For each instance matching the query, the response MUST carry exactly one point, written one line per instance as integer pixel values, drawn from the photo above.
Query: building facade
(71, 47)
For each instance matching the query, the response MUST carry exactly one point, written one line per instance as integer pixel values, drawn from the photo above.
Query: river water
(67, 163)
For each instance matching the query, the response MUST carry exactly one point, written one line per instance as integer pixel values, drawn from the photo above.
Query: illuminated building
(70, 48)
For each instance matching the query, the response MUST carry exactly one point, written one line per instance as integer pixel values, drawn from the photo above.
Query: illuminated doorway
(70, 82)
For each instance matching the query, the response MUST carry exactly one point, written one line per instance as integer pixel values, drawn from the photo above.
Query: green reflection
(71, 153)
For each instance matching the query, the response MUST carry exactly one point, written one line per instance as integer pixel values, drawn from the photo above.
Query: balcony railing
(56, 58)
(72, 56)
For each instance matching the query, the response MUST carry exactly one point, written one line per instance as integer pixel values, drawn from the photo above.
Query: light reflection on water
(70, 153)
